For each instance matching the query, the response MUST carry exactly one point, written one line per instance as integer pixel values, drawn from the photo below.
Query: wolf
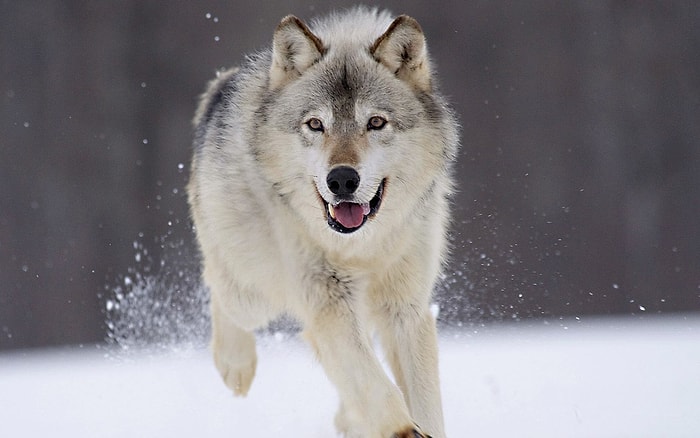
(320, 188)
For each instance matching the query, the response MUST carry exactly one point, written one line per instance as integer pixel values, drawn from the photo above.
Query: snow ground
(597, 378)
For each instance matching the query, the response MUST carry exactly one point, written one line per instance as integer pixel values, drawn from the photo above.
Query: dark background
(579, 174)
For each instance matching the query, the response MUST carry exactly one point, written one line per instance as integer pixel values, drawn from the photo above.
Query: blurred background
(579, 174)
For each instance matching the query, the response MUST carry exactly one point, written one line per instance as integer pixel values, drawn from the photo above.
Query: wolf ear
(294, 49)
(402, 50)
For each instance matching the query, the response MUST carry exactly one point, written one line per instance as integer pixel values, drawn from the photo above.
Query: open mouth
(347, 217)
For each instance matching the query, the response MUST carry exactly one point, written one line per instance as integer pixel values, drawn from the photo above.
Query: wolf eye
(315, 124)
(376, 122)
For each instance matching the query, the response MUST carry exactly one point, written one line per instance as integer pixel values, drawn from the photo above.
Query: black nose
(343, 180)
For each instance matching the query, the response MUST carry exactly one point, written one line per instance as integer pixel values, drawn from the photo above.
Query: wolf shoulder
(231, 95)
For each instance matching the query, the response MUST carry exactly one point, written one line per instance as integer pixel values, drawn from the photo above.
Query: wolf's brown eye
(315, 124)
(376, 122)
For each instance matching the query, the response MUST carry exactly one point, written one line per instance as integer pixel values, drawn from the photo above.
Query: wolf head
(352, 130)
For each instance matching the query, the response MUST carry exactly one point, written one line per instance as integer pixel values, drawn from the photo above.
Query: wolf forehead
(344, 85)
(360, 60)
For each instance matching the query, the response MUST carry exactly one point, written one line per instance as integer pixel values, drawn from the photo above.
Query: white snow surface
(590, 378)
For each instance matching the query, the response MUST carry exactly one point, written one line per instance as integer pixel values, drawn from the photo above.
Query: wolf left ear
(402, 50)
(294, 49)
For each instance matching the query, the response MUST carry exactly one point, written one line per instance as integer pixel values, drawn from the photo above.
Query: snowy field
(595, 378)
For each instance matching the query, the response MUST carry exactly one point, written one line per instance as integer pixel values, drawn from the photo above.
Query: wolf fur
(319, 188)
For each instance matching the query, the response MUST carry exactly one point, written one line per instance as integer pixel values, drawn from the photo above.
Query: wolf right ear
(294, 49)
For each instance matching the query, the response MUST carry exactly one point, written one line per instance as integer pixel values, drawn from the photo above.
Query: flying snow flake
(435, 310)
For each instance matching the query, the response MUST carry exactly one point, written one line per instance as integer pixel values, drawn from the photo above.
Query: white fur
(258, 177)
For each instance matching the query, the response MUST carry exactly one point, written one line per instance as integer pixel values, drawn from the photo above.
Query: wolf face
(353, 130)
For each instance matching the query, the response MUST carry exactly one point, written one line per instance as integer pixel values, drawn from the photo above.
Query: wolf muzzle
(346, 216)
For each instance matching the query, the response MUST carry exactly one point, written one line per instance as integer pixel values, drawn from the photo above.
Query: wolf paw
(237, 376)
(410, 432)
(234, 355)
(240, 378)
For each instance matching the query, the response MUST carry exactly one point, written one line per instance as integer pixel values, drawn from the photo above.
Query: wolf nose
(343, 180)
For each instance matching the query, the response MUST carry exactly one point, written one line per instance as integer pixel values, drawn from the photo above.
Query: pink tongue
(350, 215)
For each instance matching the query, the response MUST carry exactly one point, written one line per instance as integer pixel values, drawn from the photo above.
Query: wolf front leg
(233, 349)
(371, 405)
(410, 343)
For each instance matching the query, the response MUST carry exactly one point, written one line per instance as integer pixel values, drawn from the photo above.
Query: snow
(589, 378)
